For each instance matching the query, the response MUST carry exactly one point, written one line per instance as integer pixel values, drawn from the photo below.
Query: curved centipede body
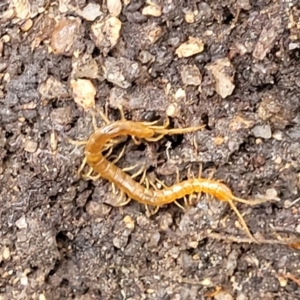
(134, 190)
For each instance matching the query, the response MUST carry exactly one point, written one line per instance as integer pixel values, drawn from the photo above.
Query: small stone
(6, 253)
(53, 88)
(84, 93)
(30, 146)
(64, 36)
(145, 57)
(277, 135)
(282, 281)
(24, 280)
(189, 17)
(172, 110)
(262, 131)
(223, 73)
(152, 10)
(21, 223)
(278, 160)
(180, 94)
(96, 209)
(21, 8)
(26, 25)
(114, 7)
(90, 12)
(129, 223)
(191, 75)
(193, 244)
(106, 33)
(190, 48)
(206, 282)
(223, 296)
(6, 38)
(42, 297)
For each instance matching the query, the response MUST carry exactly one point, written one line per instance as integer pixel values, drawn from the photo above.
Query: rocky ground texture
(230, 65)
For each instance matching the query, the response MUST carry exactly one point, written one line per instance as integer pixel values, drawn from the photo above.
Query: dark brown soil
(61, 236)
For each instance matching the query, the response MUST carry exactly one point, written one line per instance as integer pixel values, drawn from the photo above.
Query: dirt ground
(230, 65)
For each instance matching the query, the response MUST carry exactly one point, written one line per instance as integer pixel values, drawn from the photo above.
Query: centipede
(104, 137)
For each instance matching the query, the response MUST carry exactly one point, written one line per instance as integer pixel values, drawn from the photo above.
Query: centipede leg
(103, 116)
(199, 176)
(110, 150)
(120, 197)
(113, 188)
(81, 166)
(90, 171)
(76, 143)
(142, 170)
(94, 121)
(148, 212)
(242, 221)
(119, 156)
(184, 198)
(151, 213)
(155, 139)
(151, 124)
(120, 203)
(120, 108)
(89, 176)
(136, 140)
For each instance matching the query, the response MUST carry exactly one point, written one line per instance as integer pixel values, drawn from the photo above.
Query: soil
(230, 65)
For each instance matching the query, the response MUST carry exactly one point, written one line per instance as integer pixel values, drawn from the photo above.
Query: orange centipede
(98, 163)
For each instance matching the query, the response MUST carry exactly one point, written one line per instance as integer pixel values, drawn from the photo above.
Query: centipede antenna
(165, 131)
(242, 221)
(250, 202)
